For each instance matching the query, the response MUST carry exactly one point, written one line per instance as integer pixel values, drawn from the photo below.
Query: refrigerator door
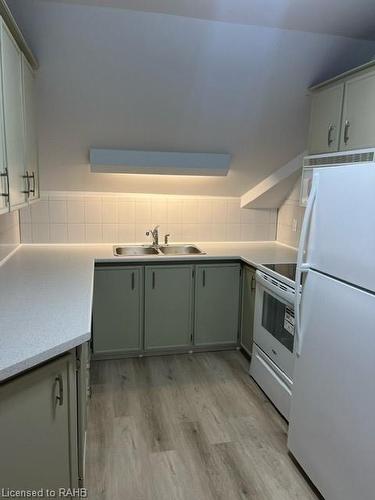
(341, 240)
(332, 425)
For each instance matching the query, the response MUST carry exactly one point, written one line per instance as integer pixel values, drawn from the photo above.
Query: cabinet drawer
(272, 380)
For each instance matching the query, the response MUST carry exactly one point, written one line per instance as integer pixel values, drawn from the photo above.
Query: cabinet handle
(346, 132)
(27, 190)
(6, 175)
(133, 280)
(153, 279)
(204, 278)
(331, 128)
(253, 283)
(32, 177)
(60, 384)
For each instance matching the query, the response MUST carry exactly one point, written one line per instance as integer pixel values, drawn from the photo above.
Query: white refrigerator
(332, 418)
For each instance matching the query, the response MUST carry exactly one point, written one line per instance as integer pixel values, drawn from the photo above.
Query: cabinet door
(358, 124)
(326, 108)
(13, 118)
(38, 432)
(117, 310)
(217, 300)
(168, 306)
(248, 307)
(30, 129)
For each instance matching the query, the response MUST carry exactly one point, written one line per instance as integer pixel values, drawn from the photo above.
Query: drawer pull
(331, 128)
(60, 395)
(346, 132)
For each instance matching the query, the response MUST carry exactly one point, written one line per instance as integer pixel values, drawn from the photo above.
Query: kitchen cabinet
(38, 428)
(325, 121)
(11, 61)
(168, 306)
(358, 122)
(30, 130)
(343, 113)
(217, 296)
(117, 310)
(248, 308)
(19, 173)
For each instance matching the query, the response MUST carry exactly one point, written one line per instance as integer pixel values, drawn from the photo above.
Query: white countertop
(46, 294)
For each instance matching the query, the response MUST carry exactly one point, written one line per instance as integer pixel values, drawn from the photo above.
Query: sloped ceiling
(121, 78)
(352, 18)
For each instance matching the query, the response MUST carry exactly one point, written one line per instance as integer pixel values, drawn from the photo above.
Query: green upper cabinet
(11, 61)
(217, 301)
(248, 307)
(117, 310)
(326, 108)
(38, 428)
(30, 130)
(358, 123)
(168, 306)
(343, 113)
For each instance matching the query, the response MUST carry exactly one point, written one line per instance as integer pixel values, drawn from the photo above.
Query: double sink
(134, 250)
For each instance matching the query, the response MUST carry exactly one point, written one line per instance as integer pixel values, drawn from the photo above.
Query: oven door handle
(287, 295)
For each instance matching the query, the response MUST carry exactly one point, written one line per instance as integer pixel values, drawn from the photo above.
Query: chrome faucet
(155, 235)
(166, 238)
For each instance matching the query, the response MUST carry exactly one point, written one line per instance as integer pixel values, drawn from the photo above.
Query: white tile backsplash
(109, 212)
(76, 233)
(159, 211)
(143, 212)
(40, 212)
(57, 211)
(219, 211)
(174, 211)
(233, 212)
(58, 233)
(93, 233)
(93, 211)
(124, 218)
(126, 212)
(75, 211)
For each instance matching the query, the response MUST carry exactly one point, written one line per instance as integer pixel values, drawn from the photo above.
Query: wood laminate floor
(186, 427)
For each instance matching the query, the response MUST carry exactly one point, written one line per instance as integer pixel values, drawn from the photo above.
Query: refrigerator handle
(301, 265)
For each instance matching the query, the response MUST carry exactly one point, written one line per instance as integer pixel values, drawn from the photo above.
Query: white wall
(124, 79)
(9, 233)
(288, 231)
(102, 218)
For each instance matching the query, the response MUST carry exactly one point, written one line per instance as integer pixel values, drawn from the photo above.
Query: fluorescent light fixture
(128, 161)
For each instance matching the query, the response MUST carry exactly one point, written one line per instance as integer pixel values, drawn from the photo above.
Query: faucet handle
(166, 239)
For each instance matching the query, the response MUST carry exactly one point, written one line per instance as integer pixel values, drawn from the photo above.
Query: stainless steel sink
(129, 250)
(180, 250)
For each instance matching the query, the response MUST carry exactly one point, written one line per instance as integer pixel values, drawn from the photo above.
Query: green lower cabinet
(117, 310)
(248, 308)
(168, 306)
(38, 428)
(217, 300)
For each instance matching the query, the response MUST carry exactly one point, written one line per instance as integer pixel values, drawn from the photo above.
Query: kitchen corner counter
(46, 294)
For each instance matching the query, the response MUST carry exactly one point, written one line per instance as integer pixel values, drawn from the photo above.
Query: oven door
(274, 322)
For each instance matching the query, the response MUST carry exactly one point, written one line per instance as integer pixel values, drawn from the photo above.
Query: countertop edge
(27, 363)
(42, 357)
